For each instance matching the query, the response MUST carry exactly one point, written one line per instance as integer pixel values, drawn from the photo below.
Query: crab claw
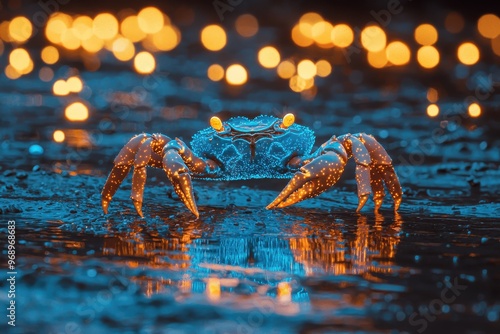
(178, 175)
(311, 180)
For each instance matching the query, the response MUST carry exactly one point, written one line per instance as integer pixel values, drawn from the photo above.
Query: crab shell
(253, 148)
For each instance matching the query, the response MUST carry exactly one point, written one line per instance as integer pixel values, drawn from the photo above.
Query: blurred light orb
(299, 38)
(426, 34)
(76, 111)
(20, 59)
(46, 74)
(150, 20)
(236, 74)
(474, 110)
(286, 69)
(12, 73)
(428, 56)
(123, 49)
(307, 22)
(28, 69)
(167, 38)
(55, 27)
(20, 29)
(398, 53)
(323, 68)
(299, 84)
(82, 27)
(50, 55)
(60, 88)
(58, 136)
(342, 35)
(269, 57)
(432, 110)
(322, 33)
(105, 26)
(2, 48)
(373, 38)
(144, 62)
(213, 37)
(377, 59)
(93, 45)
(495, 45)
(488, 26)
(468, 53)
(247, 25)
(454, 22)
(69, 40)
(432, 95)
(74, 84)
(306, 69)
(130, 29)
(215, 72)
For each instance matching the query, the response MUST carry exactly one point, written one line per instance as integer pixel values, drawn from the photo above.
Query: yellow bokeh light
(46, 74)
(269, 57)
(150, 20)
(4, 31)
(76, 111)
(432, 110)
(247, 25)
(60, 88)
(342, 35)
(428, 56)
(373, 38)
(323, 68)
(144, 62)
(58, 136)
(236, 74)
(2, 48)
(432, 95)
(306, 69)
(322, 33)
(82, 27)
(299, 38)
(474, 110)
(215, 72)
(286, 69)
(307, 22)
(167, 38)
(454, 22)
(488, 25)
(123, 49)
(426, 34)
(30, 67)
(213, 37)
(20, 29)
(93, 44)
(495, 45)
(130, 29)
(468, 53)
(54, 29)
(19, 59)
(12, 73)
(50, 55)
(69, 40)
(377, 59)
(398, 53)
(74, 84)
(299, 84)
(105, 26)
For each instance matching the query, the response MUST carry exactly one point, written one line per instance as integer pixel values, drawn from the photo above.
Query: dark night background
(311, 268)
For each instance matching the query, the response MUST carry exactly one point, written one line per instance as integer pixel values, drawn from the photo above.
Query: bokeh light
(269, 57)
(306, 69)
(82, 27)
(432, 110)
(76, 112)
(373, 38)
(20, 29)
(50, 55)
(299, 38)
(46, 74)
(167, 38)
(377, 59)
(474, 110)
(123, 49)
(213, 37)
(105, 26)
(58, 136)
(454, 22)
(60, 88)
(426, 34)
(74, 84)
(428, 56)
(488, 25)
(468, 53)
(323, 68)
(93, 44)
(432, 95)
(129, 28)
(299, 84)
(398, 53)
(144, 62)
(342, 35)
(69, 40)
(495, 45)
(150, 20)
(236, 74)
(12, 73)
(322, 34)
(215, 72)
(247, 25)
(20, 60)
(286, 69)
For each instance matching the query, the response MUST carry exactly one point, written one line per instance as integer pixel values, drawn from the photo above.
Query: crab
(262, 147)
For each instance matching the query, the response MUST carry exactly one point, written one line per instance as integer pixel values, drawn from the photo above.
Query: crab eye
(288, 121)
(216, 123)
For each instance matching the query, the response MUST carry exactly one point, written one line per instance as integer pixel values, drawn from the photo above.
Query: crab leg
(314, 177)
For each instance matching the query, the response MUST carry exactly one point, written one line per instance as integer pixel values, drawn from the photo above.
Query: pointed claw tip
(362, 202)
(397, 203)
(105, 205)
(138, 208)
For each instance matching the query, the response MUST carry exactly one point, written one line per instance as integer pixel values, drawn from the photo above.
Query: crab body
(253, 149)
(263, 147)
